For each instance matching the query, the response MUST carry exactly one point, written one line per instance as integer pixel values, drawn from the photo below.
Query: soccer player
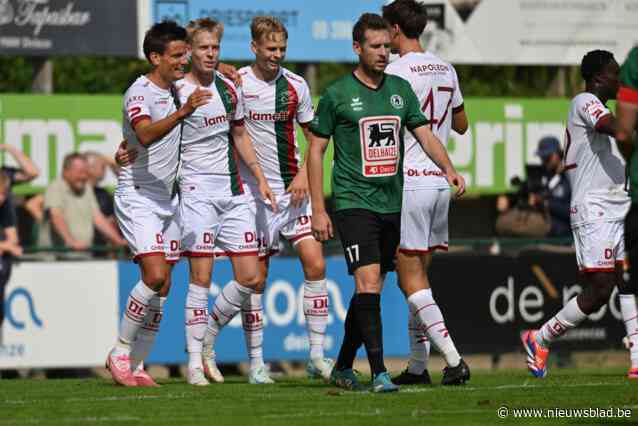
(596, 171)
(366, 113)
(627, 111)
(214, 207)
(145, 201)
(426, 191)
(275, 99)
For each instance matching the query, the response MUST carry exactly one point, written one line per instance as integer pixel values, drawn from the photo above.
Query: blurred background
(64, 66)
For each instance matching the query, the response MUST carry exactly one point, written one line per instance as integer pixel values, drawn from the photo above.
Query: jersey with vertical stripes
(209, 158)
(629, 93)
(594, 166)
(436, 85)
(272, 108)
(155, 169)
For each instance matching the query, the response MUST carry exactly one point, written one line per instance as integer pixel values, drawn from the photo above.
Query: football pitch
(596, 396)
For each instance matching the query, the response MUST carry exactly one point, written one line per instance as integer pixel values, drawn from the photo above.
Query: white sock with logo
(315, 309)
(252, 320)
(567, 318)
(419, 346)
(133, 317)
(148, 333)
(196, 315)
(227, 305)
(630, 317)
(427, 312)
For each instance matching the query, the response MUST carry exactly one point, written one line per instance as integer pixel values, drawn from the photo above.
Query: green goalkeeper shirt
(367, 127)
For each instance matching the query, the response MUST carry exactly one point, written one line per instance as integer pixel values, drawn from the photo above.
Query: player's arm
(321, 224)
(148, 132)
(460, 123)
(28, 170)
(244, 147)
(298, 188)
(107, 229)
(435, 150)
(11, 244)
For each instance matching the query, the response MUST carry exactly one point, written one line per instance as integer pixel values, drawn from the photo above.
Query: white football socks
(147, 334)
(419, 346)
(315, 308)
(133, 318)
(630, 317)
(227, 305)
(423, 306)
(567, 318)
(252, 320)
(196, 316)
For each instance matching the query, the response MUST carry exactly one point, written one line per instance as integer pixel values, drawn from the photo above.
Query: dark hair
(594, 62)
(410, 15)
(367, 21)
(70, 158)
(160, 35)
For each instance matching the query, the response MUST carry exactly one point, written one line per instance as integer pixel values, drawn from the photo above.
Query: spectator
(97, 170)
(9, 244)
(541, 207)
(71, 210)
(27, 170)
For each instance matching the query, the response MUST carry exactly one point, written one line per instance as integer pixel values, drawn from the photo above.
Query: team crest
(284, 98)
(396, 101)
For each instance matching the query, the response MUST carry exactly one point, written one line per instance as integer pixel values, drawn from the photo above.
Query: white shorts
(424, 220)
(291, 223)
(599, 245)
(215, 226)
(148, 225)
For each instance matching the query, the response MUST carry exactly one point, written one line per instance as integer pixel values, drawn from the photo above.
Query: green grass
(299, 401)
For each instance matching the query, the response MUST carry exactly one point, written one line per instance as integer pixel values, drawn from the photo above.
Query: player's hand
(457, 180)
(15, 250)
(78, 245)
(230, 72)
(322, 226)
(198, 98)
(299, 189)
(125, 156)
(267, 195)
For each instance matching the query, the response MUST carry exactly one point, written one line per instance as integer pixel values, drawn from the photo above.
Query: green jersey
(367, 127)
(629, 93)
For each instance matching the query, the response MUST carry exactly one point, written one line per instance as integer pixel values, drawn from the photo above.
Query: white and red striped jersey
(271, 109)
(594, 166)
(155, 168)
(209, 158)
(436, 85)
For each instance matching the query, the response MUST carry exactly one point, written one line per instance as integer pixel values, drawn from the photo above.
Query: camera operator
(541, 205)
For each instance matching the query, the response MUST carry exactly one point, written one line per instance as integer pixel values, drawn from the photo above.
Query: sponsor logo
(416, 172)
(17, 322)
(250, 96)
(268, 116)
(396, 101)
(420, 69)
(380, 145)
(356, 104)
(38, 14)
(215, 121)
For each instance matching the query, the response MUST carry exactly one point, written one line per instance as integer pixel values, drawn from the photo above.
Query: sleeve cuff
(417, 124)
(319, 133)
(458, 108)
(237, 123)
(138, 119)
(605, 119)
(627, 94)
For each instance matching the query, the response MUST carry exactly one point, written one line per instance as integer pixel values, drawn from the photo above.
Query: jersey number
(353, 253)
(429, 104)
(568, 143)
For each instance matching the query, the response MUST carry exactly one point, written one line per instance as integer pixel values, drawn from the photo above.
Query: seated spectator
(26, 170)
(72, 211)
(9, 244)
(541, 205)
(97, 171)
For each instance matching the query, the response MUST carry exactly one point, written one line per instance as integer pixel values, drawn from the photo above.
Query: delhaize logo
(39, 14)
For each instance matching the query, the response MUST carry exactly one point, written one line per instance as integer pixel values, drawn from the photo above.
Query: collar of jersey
(368, 87)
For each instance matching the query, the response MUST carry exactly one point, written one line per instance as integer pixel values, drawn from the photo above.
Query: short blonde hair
(266, 25)
(204, 24)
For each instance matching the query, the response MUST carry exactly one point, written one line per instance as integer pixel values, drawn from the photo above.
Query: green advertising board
(502, 137)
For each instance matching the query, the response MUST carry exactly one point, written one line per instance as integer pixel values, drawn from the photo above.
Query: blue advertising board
(285, 334)
(317, 31)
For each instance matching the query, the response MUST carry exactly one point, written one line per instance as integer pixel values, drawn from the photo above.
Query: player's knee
(155, 279)
(250, 279)
(601, 289)
(315, 269)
